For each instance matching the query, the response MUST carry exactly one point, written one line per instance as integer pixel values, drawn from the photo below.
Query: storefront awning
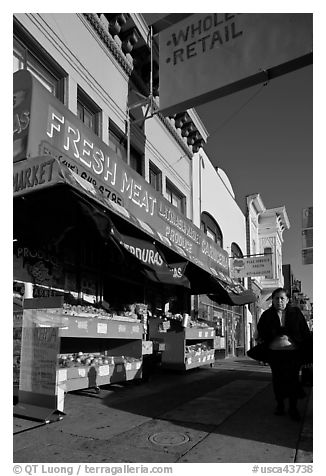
(233, 294)
(155, 265)
(45, 173)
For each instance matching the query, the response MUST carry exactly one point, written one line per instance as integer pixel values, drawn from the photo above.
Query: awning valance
(233, 294)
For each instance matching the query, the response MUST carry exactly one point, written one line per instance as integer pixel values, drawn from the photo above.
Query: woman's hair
(279, 290)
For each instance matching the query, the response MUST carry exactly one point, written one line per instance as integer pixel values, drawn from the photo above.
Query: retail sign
(252, 266)
(22, 94)
(210, 55)
(40, 346)
(40, 393)
(38, 175)
(58, 141)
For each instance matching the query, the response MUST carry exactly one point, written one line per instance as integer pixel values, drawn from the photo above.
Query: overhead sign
(252, 266)
(56, 133)
(210, 55)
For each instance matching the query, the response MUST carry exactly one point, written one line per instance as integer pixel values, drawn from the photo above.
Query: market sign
(40, 393)
(57, 136)
(21, 114)
(210, 55)
(252, 266)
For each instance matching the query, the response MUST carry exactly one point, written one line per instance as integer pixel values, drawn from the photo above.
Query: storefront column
(28, 293)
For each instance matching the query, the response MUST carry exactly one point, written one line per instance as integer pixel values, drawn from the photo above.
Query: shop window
(29, 55)
(211, 228)
(87, 111)
(175, 197)
(155, 177)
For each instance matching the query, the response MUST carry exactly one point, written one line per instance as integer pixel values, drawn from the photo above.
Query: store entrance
(229, 335)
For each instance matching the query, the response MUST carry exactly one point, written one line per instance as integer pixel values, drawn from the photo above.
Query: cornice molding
(118, 54)
(93, 19)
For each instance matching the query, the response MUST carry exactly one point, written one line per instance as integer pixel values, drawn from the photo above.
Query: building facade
(214, 205)
(265, 228)
(102, 74)
(297, 297)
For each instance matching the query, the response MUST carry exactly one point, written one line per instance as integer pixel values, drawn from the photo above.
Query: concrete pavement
(222, 414)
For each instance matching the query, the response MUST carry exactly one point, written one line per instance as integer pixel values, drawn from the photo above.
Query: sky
(262, 137)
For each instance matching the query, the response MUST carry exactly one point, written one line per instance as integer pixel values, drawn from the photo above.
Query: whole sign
(209, 55)
(56, 132)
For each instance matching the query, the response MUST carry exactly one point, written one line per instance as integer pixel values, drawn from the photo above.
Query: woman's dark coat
(295, 327)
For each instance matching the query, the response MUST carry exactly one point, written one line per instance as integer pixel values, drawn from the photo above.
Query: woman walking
(284, 332)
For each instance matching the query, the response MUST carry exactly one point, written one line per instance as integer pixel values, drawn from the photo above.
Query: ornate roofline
(118, 54)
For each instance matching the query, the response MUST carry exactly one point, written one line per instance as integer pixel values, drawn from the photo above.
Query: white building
(265, 228)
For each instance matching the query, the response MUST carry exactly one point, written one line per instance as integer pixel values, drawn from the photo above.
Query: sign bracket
(152, 108)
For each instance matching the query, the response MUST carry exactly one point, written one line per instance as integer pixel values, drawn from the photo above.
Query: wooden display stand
(174, 342)
(48, 331)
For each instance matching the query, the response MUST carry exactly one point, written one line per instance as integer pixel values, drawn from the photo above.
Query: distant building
(297, 297)
(265, 229)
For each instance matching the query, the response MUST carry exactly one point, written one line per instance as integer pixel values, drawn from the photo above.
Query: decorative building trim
(118, 54)
(105, 36)
(269, 241)
(172, 130)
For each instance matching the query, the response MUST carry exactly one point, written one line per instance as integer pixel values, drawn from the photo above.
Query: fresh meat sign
(56, 133)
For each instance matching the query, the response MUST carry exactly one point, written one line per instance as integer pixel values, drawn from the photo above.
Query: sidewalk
(221, 414)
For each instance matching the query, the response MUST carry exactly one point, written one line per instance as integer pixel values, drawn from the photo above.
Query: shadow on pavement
(172, 397)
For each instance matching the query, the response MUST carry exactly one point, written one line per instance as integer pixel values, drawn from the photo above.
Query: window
(118, 142)
(28, 54)
(88, 112)
(136, 161)
(155, 177)
(209, 226)
(211, 234)
(236, 251)
(175, 197)
(253, 247)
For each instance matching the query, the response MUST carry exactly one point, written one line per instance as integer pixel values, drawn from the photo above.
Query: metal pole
(128, 135)
(199, 191)
(151, 69)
